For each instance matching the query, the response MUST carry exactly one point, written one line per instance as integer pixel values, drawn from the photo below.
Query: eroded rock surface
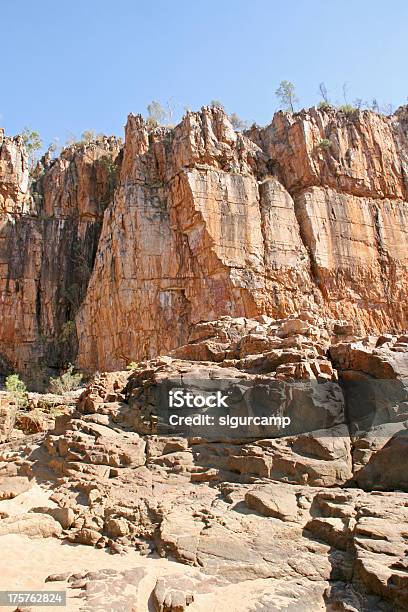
(271, 262)
(49, 231)
(198, 222)
(226, 224)
(285, 522)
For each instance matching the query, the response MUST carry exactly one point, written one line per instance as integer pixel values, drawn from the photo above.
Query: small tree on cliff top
(88, 136)
(217, 104)
(324, 93)
(32, 142)
(156, 113)
(286, 94)
(238, 123)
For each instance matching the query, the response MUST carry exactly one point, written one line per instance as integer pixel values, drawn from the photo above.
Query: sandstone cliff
(308, 212)
(49, 232)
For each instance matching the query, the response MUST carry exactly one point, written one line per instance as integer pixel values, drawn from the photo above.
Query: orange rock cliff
(110, 254)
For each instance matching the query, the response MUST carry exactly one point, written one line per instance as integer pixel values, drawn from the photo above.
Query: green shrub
(33, 144)
(324, 105)
(88, 136)
(238, 123)
(217, 104)
(68, 331)
(133, 365)
(158, 115)
(286, 94)
(17, 390)
(66, 382)
(325, 143)
(56, 411)
(347, 108)
(111, 170)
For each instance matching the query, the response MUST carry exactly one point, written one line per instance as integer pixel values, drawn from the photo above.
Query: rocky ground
(95, 501)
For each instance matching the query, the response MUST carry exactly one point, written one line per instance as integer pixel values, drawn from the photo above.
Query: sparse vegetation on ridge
(348, 109)
(33, 144)
(158, 115)
(286, 95)
(287, 98)
(238, 123)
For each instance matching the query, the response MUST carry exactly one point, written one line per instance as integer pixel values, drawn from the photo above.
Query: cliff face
(48, 239)
(348, 176)
(308, 213)
(189, 237)
(13, 175)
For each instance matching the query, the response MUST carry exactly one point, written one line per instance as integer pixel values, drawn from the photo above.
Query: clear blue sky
(68, 66)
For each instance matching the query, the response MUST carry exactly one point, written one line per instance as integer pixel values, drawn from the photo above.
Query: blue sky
(68, 66)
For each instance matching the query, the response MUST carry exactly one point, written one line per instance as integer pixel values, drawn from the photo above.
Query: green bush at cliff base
(133, 365)
(17, 390)
(66, 382)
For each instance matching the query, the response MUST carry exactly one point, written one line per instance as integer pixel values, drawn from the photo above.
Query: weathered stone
(42, 288)
(301, 236)
(8, 411)
(86, 536)
(277, 502)
(64, 516)
(32, 525)
(11, 486)
(255, 259)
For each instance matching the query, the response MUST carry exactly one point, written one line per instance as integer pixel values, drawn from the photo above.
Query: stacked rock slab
(303, 522)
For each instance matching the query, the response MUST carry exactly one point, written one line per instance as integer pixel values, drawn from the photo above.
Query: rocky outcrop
(359, 153)
(307, 213)
(14, 180)
(314, 519)
(48, 241)
(270, 265)
(8, 412)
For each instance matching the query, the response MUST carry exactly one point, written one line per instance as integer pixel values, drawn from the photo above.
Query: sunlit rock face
(113, 255)
(206, 222)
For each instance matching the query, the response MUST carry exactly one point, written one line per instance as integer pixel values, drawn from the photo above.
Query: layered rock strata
(308, 212)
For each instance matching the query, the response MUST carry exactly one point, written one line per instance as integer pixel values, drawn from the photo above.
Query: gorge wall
(111, 255)
(49, 234)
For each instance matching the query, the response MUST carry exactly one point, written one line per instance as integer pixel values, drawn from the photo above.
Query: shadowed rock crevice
(49, 239)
